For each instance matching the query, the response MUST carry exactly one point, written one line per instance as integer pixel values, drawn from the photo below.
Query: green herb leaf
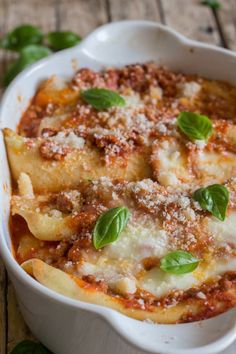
(213, 4)
(22, 36)
(109, 226)
(195, 126)
(102, 98)
(28, 55)
(179, 262)
(29, 347)
(62, 40)
(214, 198)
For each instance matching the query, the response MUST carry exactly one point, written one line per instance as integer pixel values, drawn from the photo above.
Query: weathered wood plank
(191, 19)
(3, 276)
(13, 13)
(227, 21)
(2, 31)
(3, 329)
(41, 13)
(17, 329)
(135, 9)
(81, 16)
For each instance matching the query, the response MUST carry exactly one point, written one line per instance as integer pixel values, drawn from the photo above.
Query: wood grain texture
(17, 329)
(13, 13)
(3, 275)
(81, 16)
(227, 21)
(192, 19)
(3, 315)
(133, 10)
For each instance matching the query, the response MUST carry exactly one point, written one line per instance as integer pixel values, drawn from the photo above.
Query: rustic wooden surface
(186, 16)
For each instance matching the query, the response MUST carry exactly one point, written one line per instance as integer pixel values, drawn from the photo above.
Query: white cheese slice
(215, 167)
(189, 89)
(170, 163)
(140, 239)
(223, 231)
(160, 283)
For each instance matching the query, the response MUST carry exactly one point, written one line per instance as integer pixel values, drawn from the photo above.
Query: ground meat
(87, 78)
(49, 150)
(150, 262)
(138, 77)
(106, 142)
(169, 81)
(48, 132)
(67, 202)
(111, 77)
(85, 222)
(91, 279)
(31, 120)
(115, 148)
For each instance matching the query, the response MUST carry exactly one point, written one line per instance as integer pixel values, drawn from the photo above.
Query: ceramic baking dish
(67, 326)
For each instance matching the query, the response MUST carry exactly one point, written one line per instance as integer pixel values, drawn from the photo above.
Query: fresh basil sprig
(28, 41)
(22, 36)
(109, 226)
(214, 198)
(30, 347)
(213, 4)
(195, 126)
(62, 40)
(100, 98)
(28, 55)
(179, 262)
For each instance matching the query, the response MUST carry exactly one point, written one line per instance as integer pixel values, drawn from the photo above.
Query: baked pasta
(125, 191)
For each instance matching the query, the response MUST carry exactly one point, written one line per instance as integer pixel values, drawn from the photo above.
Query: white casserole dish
(67, 326)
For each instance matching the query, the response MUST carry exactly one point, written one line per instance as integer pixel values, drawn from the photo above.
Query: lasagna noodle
(53, 176)
(55, 246)
(77, 289)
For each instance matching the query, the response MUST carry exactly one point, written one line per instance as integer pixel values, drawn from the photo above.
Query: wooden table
(82, 16)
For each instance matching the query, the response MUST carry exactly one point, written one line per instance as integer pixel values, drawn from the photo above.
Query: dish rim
(109, 315)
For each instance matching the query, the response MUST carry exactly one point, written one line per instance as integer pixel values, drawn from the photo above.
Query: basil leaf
(28, 55)
(195, 126)
(179, 262)
(109, 226)
(35, 52)
(213, 4)
(62, 40)
(22, 36)
(102, 98)
(214, 198)
(29, 347)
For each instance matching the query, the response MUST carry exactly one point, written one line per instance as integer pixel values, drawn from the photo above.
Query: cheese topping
(73, 163)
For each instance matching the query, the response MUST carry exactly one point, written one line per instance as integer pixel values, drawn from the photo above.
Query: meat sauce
(216, 101)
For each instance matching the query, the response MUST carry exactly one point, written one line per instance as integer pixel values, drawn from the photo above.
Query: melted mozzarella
(189, 89)
(71, 140)
(121, 261)
(215, 167)
(170, 163)
(223, 231)
(160, 283)
(120, 264)
(53, 122)
(139, 240)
